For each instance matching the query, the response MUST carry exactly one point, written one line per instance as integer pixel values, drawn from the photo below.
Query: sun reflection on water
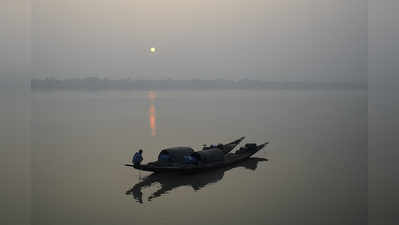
(152, 114)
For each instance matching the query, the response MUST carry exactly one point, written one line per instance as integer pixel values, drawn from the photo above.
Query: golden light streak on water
(151, 113)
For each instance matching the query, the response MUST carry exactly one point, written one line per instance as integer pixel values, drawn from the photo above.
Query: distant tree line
(94, 83)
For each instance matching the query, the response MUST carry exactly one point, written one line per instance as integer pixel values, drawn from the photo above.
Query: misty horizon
(296, 41)
(166, 84)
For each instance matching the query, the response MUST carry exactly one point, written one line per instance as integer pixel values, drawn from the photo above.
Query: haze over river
(314, 171)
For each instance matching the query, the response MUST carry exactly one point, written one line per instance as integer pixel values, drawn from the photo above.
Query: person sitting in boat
(138, 157)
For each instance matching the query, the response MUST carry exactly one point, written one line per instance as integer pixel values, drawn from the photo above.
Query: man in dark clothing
(137, 158)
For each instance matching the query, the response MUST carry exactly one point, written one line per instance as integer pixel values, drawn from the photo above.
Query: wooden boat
(203, 160)
(225, 148)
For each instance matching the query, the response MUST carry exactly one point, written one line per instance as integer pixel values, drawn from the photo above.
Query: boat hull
(229, 158)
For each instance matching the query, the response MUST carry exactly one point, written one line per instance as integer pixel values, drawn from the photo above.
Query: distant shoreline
(92, 83)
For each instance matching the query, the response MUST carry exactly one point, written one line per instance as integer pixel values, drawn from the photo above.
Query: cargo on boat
(185, 159)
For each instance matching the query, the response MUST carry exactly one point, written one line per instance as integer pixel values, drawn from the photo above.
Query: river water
(314, 171)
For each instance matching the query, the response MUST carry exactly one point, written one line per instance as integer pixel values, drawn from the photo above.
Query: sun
(153, 49)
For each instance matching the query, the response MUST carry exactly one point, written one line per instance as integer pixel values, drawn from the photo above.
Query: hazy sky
(14, 40)
(283, 40)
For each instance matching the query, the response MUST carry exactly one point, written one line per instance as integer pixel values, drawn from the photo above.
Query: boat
(186, 160)
(225, 148)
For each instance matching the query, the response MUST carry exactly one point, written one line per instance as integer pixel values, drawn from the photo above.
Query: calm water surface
(313, 172)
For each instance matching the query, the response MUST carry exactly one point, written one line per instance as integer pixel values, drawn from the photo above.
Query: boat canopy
(175, 154)
(209, 155)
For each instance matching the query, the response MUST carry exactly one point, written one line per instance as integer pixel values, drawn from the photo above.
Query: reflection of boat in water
(184, 159)
(170, 181)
